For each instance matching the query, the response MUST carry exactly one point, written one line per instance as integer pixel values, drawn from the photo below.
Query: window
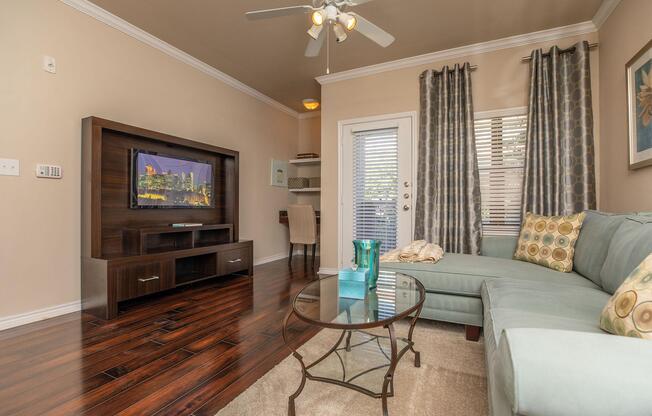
(375, 186)
(500, 145)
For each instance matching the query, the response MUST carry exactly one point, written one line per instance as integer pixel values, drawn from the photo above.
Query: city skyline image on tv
(170, 182)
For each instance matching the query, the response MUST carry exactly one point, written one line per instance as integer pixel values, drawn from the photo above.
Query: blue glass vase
(367, 255)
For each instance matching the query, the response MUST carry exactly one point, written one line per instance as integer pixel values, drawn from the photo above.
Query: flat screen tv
(165, 181)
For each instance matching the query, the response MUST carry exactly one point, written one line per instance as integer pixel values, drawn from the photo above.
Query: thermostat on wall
(49, 171)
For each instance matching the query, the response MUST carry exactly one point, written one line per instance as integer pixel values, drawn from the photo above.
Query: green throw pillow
(629, 311)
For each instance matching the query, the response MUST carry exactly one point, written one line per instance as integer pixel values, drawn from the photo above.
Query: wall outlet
(49, 171)
(9, 167)
(49, 64)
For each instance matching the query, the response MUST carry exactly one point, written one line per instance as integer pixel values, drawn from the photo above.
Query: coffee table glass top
(396, 294)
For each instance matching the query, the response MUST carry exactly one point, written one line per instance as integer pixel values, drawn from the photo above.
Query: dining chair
(303, 229)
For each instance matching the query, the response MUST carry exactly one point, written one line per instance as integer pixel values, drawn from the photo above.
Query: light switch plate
(48, 171)
(9, 167)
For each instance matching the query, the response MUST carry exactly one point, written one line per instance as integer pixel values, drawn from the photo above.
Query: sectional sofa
(545, 352)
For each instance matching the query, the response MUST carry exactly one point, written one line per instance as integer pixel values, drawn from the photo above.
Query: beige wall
(105, 73)
(309, 139)
(624, 33)
(501, 81)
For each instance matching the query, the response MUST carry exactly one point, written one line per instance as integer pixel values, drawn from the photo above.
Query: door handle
(235, 261)
(406, 207)
(142, 280)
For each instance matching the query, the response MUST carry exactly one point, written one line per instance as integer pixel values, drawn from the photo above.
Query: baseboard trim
(324, 271)
(39, 315)
(13, 321)
(269, 259)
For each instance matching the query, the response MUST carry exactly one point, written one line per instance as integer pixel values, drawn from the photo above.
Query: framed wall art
(639, 108)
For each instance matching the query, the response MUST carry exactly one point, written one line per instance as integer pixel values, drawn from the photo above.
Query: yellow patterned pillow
(629, 311)
(549, 241)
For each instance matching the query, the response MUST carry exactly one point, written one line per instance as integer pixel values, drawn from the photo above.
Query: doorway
(377, 173)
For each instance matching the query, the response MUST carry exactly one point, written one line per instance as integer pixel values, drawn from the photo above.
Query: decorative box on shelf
(314, 182)
(352, 284)
(297, 183)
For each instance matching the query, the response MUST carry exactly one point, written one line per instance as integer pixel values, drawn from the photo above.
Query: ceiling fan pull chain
(328, 49)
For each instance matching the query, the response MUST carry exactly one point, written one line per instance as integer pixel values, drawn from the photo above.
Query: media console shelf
(149, 240)
(129, 252)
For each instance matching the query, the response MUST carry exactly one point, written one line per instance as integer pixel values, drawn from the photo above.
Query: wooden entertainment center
(128, 253)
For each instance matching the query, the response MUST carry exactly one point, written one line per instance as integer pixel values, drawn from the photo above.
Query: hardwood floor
(187, 352)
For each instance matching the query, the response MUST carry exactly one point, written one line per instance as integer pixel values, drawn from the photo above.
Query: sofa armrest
(502, 246)
(557, 372)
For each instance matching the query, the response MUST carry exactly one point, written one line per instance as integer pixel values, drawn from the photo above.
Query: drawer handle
(235, 261)
(148, 280)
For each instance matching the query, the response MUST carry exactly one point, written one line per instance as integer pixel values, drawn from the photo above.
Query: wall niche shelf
(305, 190)
(306, 162)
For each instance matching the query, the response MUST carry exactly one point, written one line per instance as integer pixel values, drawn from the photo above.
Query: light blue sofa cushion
(463, 274)
(593, 243)
(463, 310)
(546, 298)
(629, 246)
(556, 372)
(499, 246)
(525, 304)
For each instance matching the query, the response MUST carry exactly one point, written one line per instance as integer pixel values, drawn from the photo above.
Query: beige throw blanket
(419, 251)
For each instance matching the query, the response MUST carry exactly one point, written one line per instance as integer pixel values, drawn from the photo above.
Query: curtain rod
(471, 68)
(529, 58)
(572, 49)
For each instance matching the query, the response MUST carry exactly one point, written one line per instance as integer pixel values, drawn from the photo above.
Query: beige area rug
(451, 381)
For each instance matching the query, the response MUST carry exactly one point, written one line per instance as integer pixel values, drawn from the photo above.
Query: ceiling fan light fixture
(310, 104)
(340, 33)
(348, 21)
(314, 31)
(318, 17)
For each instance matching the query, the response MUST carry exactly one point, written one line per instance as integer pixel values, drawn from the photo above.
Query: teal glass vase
(367, 256)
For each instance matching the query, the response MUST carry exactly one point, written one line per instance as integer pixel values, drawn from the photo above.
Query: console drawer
(232, 261)
(141, 279)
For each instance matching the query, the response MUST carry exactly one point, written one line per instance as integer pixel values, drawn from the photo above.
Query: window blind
(375, 186)
(500, 146)
(386, 292)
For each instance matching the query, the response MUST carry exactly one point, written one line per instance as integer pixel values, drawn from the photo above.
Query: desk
(283, 217)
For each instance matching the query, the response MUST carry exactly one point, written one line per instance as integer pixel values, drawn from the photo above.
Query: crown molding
(474, 49)
(605, 10)
(311, 114)
(135, 32)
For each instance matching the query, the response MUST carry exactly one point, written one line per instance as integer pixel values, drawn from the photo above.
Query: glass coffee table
(361, 360)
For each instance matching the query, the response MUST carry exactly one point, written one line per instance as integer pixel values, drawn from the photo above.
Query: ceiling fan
(332, 13)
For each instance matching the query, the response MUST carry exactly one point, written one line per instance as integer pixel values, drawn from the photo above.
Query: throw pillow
(629, 311)
(549, 241)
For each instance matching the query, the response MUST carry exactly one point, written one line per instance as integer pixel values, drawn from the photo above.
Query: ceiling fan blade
(282, 11)
(373, 32)
(354, 3)
(314, 46)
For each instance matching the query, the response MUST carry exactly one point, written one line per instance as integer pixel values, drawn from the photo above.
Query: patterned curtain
(559, 165)
(447, 208)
